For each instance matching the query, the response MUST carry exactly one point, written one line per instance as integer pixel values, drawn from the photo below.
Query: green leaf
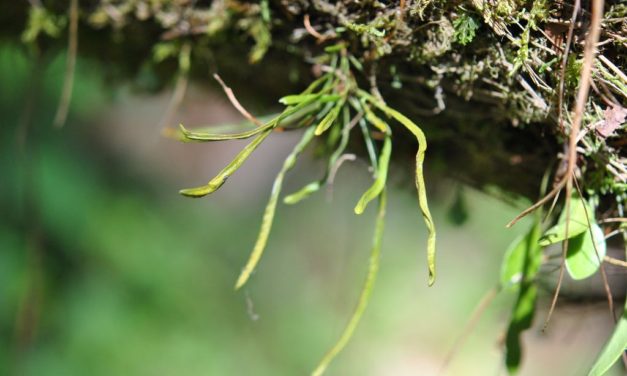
(524, 308)
(328, 120)
(215, 183)
(314, 187)
(188, 135)
(375, 120)
(577, 224)
(372, 154)
(290, 100)
(522, 319)
(613, 349)
(365, 29)
(420, 182)
(177, 133)
(582, 260)
(379, 182)
(289, 111)
(268, 215)
(302, 193)
(260, 32)
(514, 262)
(366, 291)
(41, 21)
(465, 27)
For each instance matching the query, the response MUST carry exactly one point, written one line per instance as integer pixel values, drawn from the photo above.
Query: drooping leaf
(524, 308)
(215, 183)
(514, 262)
(420, 182)
(372, 153)
(329, 119)
(268, 215)
(315, 186)
(578, 222)
(363, 125)
(375, 120)
(582, 259)
(366, 291)
(613, 349)
(522, 319)
(382, 173)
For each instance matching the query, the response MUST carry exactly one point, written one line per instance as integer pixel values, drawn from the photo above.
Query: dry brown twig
(229, 93)
(582, 96)
(615, 261)
(313, 32)
(606, 285)
(484, 303)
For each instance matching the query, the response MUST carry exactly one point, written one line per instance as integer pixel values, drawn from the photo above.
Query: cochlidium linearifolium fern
(332, 106)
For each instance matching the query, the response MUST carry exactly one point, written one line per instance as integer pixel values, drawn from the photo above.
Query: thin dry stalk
(229, 93)
(582, 97)
(70, 68)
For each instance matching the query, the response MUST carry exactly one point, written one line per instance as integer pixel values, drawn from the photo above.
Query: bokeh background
(106, 270)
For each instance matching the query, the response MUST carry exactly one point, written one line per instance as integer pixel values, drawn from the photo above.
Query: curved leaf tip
(197, 192)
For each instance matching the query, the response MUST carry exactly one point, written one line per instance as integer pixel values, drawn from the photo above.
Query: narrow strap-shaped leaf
(328, 120)
(366, 291)
(290, 100)
(268, 215)
(315, 186)
(303, 193)
(521, 320)
(374, 119)
(613, 349)
(177, 134)
(524, 308)
(289, 111)
(420, 183)
(372, 153)
(215, 183)
(314, 85)
(382, 173)
(207, 136)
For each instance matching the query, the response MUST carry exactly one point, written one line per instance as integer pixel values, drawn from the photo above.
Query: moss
(446, 63)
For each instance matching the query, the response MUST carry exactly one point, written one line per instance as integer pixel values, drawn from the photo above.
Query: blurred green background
(106, 270)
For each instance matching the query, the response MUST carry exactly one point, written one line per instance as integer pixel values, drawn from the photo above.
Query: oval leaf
(577, 224)
(582, 259)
